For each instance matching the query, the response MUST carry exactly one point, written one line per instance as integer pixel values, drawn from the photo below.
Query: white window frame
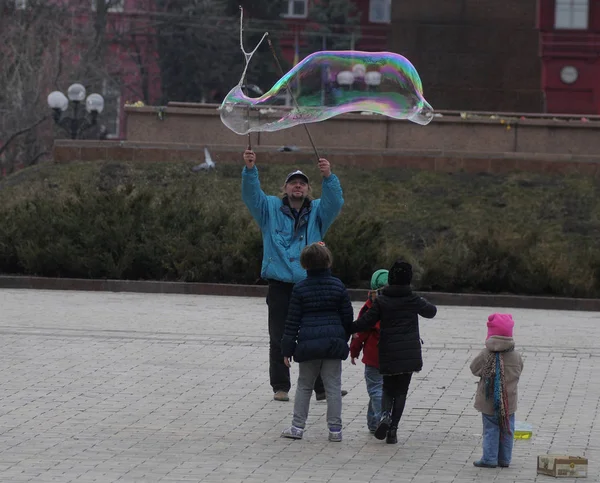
(117, 5)
(377, 6)
(572, 15)
(290, 9)
(106, 88)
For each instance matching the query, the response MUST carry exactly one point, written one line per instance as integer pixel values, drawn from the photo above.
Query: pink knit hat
(500, 324)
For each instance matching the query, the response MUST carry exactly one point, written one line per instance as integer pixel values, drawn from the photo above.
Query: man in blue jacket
(288, 225)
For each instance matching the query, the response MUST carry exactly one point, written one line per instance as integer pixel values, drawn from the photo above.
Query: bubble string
(247, 55)
(247, 58)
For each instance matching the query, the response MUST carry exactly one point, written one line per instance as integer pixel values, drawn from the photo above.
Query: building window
(113, 5)
(380, 11)
(572, 14)
(295, 8)
(112, 108)
(20, 4)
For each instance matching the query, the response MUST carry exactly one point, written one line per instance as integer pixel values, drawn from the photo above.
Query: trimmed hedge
(115, 223)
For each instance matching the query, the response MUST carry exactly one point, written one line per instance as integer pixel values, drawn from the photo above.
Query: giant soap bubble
(326, 84)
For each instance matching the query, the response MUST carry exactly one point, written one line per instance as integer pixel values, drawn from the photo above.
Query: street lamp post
(75, 124)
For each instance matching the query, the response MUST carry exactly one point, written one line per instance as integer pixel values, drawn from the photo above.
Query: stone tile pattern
(100, 386)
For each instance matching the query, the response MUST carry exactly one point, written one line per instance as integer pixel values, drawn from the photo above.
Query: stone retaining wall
(447, 161)
(489, 133)
(438, 298)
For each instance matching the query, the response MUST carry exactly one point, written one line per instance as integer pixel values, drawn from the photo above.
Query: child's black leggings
(397, 385)
(395, 389)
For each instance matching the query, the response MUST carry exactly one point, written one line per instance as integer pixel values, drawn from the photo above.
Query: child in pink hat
(498, 367)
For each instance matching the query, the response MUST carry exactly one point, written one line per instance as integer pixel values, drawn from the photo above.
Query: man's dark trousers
(278, 300)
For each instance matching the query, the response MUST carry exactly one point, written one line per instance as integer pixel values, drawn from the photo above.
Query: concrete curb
(143, 286)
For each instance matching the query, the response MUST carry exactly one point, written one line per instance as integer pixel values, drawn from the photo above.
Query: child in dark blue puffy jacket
(316, 335)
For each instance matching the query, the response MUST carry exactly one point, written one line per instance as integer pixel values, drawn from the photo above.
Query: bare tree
(46, 46)
(32, 61)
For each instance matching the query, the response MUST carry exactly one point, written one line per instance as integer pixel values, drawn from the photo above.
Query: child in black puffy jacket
(397, 309)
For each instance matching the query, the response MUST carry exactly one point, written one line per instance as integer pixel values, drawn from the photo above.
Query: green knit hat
(379, 279)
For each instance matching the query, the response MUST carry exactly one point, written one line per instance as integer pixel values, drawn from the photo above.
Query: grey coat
(513, 366)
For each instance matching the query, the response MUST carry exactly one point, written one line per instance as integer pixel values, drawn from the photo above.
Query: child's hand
(287, 361)
(353, 360)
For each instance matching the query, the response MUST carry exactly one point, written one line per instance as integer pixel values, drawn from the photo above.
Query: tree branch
(38, 156)
(14, 135)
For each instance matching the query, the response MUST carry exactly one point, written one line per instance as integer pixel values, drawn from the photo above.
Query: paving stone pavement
(173, 388)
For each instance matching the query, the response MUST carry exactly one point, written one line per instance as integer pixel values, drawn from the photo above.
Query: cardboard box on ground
(562, 466)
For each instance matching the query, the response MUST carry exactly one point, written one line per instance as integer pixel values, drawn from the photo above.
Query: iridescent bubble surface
(329, 83)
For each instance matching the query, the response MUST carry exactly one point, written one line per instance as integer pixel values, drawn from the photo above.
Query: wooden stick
(293, 99)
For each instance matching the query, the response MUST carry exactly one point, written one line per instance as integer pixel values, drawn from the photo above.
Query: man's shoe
(481, 464)
(383, 427)
(335, 436)
(391, 438)
(501, 464)
(281, 396)
(292, 432)
(321, 396)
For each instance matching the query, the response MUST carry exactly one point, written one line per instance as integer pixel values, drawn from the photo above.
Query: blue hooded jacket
(283, 240)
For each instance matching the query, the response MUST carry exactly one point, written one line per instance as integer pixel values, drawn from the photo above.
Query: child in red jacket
(368, 342)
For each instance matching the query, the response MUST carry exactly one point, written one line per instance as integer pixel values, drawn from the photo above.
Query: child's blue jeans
(374, 381)
(497, 446)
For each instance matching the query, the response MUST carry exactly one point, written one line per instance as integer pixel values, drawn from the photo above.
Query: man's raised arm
(253, 196)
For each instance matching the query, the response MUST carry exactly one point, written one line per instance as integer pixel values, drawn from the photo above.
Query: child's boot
(399, 403)
(392, 437)
(386, 417)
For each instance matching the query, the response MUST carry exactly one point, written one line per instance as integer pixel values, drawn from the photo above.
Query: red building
(375, 19)
(472, 55)
(134, 60)
(130, 71)
(570, 51)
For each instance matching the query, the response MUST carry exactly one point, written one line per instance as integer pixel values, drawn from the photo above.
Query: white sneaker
(292, 432)
(335, 436)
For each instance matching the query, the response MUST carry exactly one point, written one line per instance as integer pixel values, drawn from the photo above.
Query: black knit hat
(400, 273)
